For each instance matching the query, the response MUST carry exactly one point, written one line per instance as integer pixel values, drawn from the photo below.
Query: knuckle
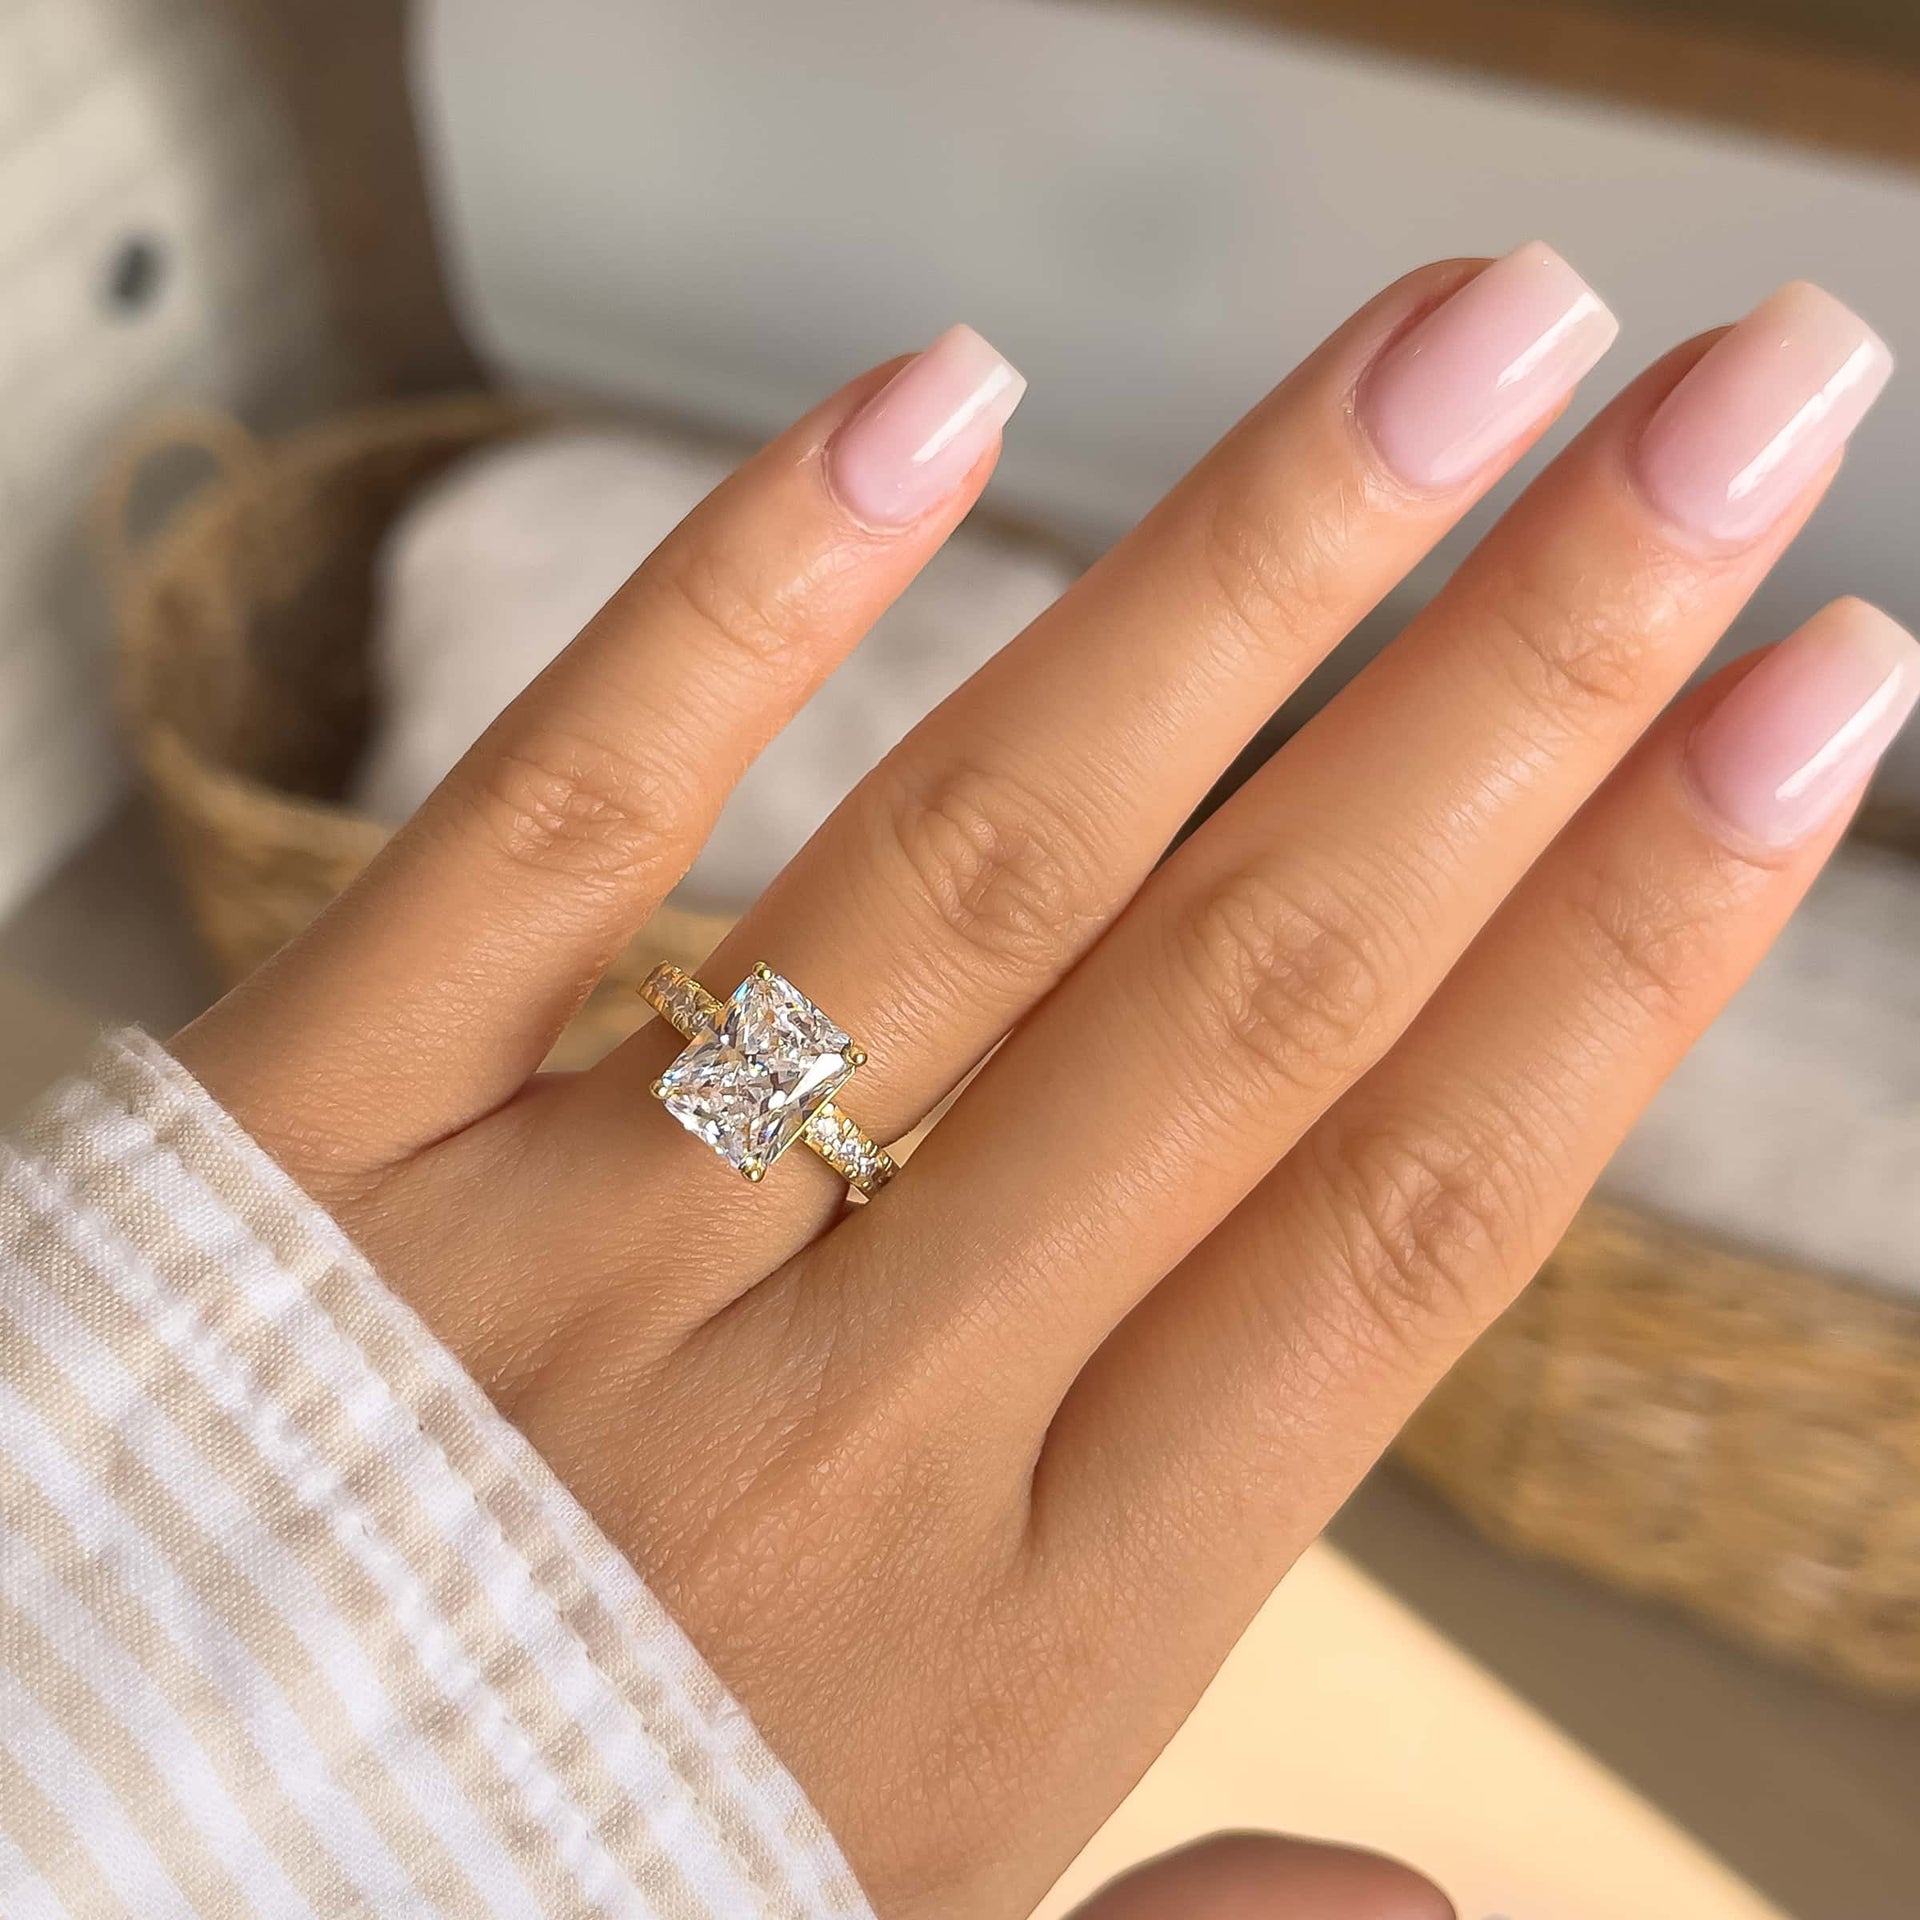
(1289, 985)
(558, 802)
(1569, 657)
(1008, 872)
(1638, 938)
(1424, 1221)
(736, 616)
(1264, 579)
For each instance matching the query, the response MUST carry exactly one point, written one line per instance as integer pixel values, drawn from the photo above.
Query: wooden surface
(1843, 76)
(1806, 1788)
(339, 67)
(1876, 29)
(1344, 1716)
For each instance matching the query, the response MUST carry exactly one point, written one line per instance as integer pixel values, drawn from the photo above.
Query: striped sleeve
(291, 1621)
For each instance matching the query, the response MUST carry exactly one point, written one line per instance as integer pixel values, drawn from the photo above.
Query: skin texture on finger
(1275, 957)
(1266, 1876)
(430, 990)
(1222, 1425)
(980, 860)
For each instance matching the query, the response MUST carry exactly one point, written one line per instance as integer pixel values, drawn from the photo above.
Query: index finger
(430, 990)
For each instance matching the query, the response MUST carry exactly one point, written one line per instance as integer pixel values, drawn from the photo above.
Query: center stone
(749, 1089)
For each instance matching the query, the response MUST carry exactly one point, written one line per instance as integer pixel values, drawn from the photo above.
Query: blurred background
(350, 350)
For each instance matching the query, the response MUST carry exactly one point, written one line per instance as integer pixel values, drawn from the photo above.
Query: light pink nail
(1735, 443)
(1476, 373)
(1800, 734)
(914, 442)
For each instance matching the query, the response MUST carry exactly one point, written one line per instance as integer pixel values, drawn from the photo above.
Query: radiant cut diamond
(749, 1087)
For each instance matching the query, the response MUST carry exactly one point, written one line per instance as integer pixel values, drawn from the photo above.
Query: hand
(966, 1492)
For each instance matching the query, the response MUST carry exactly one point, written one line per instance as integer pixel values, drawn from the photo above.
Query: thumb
(1265, 1876)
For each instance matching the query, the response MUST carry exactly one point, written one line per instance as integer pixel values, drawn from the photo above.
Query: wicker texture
(1703, 1427)
(244, 631)
(1735, 1437)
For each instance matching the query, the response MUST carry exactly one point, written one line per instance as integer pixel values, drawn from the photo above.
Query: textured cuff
(291, 1621)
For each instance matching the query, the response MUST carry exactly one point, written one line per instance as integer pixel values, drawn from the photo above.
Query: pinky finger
(1243, 1399)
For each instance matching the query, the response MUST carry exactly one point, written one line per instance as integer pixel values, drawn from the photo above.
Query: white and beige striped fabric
(291, 1621)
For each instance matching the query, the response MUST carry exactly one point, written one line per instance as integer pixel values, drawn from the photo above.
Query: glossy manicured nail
(914, 442)
(1476, 373)
(1794, 739)
(1733, 445)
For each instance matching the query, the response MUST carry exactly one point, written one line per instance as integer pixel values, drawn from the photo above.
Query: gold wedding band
(762, 1070)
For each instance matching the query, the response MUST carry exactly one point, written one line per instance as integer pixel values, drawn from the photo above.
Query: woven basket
(1738, 1438)
(244, 631)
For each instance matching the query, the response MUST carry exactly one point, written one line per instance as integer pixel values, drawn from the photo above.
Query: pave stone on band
(760, 1071)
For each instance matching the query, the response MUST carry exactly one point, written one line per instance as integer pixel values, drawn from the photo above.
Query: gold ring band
(762, 1070)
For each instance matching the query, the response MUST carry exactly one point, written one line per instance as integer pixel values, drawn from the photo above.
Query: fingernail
(1733, 445)
(1799, 735)
(914, 442)
(1476, 373)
